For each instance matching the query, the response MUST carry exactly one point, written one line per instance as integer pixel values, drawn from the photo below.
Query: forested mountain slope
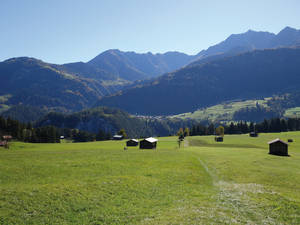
(249, 75)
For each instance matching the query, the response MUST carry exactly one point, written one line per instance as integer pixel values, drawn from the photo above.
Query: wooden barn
(278, 147)
(219, 139)
(118, 137)
(253, 134)
(148, 143)
(132, 142)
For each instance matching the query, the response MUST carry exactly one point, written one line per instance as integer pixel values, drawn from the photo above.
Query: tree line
(46, 134)
(243, 127)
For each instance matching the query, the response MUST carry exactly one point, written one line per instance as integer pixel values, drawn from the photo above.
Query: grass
(292, 112)
(221, 112)
(204, 182)
(4, 108)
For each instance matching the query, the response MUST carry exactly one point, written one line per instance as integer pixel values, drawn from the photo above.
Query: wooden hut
(219, 139)
(253, 134)
(278, 147)
(132, 142)
(2, 143)
(118, 137)
(7, 137)
(148, 143)
(290, 140)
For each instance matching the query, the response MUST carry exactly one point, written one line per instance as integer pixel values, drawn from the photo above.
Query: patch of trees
(25, 113)
(255, 114)
(46, 134)
(242, 127)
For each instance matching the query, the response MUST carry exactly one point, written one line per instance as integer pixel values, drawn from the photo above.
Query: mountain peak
(287, 30)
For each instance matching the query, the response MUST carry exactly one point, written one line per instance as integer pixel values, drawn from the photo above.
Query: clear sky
(61, 31)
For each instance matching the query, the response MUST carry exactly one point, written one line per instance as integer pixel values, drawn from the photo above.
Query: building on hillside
(118, 137)
(148, 143)
(132, 142)
(278, 147)
(253, 134)
(219, 139)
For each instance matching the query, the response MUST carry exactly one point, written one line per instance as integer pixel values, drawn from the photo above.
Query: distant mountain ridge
(133, 66)
(253, 40)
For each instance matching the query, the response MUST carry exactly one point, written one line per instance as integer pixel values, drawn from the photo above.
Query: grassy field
(292, 112)
(221, 112)
(203, 182)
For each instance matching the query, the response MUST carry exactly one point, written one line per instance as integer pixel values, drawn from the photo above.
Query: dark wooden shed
(253, 134)
(278, 147)
(148, 143)
(219, 139)
(132, 142)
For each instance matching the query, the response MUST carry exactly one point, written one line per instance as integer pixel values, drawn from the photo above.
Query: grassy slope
(235, 182)
(220, 112)
(292, 112)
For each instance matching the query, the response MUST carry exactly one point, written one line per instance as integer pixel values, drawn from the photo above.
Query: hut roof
(118, 136)
(151, 139)
(277, 140)
(7, 137)
(135, 140)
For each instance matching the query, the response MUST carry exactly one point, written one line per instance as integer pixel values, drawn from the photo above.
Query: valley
(150, 112)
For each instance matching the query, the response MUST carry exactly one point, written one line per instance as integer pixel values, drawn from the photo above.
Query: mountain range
(244, 65)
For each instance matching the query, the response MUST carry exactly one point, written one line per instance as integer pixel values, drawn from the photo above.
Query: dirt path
(233, 198)
(186, 143)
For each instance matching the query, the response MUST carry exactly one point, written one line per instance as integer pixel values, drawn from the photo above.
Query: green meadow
(202, 182)
(292, 112)
(221, 112)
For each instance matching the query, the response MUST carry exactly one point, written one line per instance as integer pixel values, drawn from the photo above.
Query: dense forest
(242, 127)
(111, 120)
(46, 134)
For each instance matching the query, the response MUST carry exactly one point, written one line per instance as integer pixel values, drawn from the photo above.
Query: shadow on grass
(203, 143)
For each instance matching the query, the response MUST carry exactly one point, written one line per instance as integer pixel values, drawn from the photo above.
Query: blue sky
(61, 31)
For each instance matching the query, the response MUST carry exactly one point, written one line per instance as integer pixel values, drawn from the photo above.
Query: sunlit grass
(234, 182)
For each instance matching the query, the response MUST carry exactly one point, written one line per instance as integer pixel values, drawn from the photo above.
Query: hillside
(75, 86)
(33, 82)
(112, 120)
(24, 113)
(255, 74)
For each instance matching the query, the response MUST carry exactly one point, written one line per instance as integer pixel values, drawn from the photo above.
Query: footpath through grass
(234, 182)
